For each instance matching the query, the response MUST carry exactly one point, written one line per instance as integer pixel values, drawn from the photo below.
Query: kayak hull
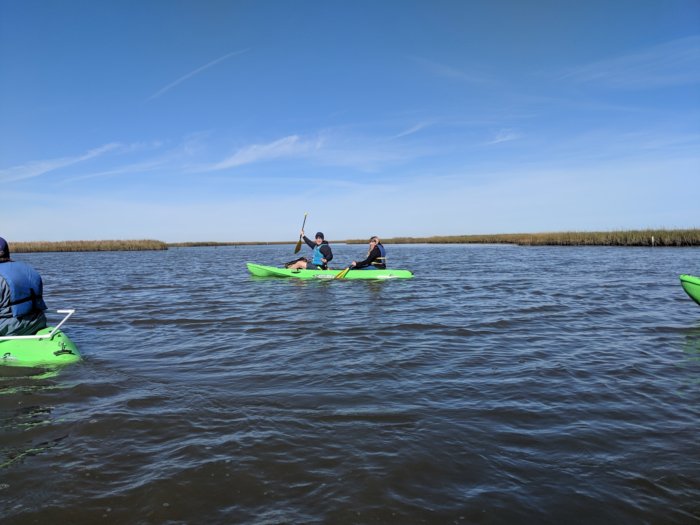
(691, 285)
(45, 351)
(260, 270)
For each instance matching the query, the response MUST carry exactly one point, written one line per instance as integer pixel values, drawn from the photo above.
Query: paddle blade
(343, 273)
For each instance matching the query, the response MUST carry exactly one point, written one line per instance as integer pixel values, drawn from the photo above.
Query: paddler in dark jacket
(376, 257)
(21, 303)
(322, 254)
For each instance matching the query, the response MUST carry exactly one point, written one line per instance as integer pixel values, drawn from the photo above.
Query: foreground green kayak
(272, 271)
(48, 347)
(691, 285)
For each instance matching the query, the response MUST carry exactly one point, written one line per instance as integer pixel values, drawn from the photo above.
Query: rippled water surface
(502, 384)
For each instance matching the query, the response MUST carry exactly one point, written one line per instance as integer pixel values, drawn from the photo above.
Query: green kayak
(48, 347)
(259, 270)
(691, 285)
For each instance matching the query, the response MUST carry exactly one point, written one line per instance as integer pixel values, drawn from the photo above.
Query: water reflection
(26, 417)
(22, 413)
(691, 362)
(691, 346)
(12, 456)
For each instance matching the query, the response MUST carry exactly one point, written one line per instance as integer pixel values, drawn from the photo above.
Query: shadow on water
(21, 414)
(9, 373)
(12, 456)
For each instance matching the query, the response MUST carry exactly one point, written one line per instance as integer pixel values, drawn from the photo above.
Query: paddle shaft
(343, 273)
(298, 246)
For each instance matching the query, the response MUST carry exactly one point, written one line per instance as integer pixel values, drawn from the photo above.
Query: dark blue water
(502, 384)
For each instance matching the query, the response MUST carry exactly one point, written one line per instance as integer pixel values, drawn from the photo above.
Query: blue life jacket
(26, 288)
(380, 262)
(317, 255)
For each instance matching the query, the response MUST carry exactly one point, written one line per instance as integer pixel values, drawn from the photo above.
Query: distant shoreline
(676, 238)
(664, 238)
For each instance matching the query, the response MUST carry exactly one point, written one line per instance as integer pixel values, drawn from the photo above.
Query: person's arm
(5, 299)
(6, 319)
(327, 253)
(311, 244)
(371, 257)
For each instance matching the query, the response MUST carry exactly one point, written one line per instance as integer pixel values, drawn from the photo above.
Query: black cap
(4, 249)
(320, 234)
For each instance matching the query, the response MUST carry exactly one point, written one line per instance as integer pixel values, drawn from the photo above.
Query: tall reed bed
(689, 237)
(196, 244)
(659, 237)
(87, 246)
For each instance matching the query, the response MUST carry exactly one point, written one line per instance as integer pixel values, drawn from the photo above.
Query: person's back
(21, 303)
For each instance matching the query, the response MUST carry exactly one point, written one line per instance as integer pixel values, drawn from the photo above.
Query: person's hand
(324, 261)
(353, 264)
(302, 232)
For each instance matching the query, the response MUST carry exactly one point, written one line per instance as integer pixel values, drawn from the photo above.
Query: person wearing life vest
(322, 254)
(21, 303)
(376, 257)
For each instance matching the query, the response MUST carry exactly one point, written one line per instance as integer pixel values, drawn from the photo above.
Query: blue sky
(227, 120)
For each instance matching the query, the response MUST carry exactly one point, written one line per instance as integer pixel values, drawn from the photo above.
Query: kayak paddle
(298, 246)
(343, 273)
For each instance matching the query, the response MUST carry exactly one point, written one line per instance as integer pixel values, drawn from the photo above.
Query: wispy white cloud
(139, 167)
(327, 148)
(504, 135)
(37, 168)
(175, 159)
(291, 146)
(195, 72)
(472, 76)
(669, 64)
(411, 130)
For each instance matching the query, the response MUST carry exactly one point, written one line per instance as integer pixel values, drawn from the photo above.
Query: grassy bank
(215, 244)
(690, 237)
(87, 246)
(119, 246)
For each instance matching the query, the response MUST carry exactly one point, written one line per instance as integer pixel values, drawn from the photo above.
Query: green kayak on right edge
(691, 285)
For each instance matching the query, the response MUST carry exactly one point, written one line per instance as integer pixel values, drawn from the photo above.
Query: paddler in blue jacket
(376, 257)
(21, 303)
(322, 254)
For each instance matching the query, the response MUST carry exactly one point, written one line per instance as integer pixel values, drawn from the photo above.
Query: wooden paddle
(298, 246)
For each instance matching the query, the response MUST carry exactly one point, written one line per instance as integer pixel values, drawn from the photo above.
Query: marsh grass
(87, 246)
(215, 244)
(689, 237)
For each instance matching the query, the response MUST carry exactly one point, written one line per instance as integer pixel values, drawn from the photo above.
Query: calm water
(502, 385)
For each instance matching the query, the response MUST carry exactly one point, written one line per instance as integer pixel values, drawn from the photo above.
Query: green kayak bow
(691, 285)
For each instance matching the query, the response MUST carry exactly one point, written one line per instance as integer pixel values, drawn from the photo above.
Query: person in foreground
(322, 254)
(376, 257)
(21, 303)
